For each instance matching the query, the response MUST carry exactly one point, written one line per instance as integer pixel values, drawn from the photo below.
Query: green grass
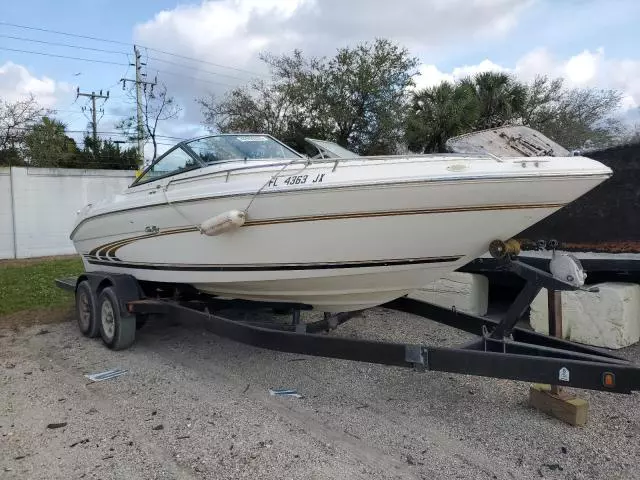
(29, 284)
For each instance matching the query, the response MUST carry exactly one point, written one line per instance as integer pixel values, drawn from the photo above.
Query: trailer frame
(500, 350)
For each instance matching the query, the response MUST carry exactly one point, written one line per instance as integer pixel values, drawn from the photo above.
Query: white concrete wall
(46, 201)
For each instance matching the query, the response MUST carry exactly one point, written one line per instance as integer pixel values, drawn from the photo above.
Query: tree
(571, 117)
(363, 93)
(15, 120)
(11, 157)
(279, 107)
(575, 117)
(106, 154)
(47, 145)
(486, 100)
(438, 113)
(501, 99)
(261, 107)
(542, 94)
(356, 98)
(29, 136)
(631, 135)
(157, 106)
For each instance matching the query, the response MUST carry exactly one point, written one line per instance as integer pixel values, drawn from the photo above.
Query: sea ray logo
(563, 375)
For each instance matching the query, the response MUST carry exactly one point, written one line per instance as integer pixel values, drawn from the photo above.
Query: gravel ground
(193, 405)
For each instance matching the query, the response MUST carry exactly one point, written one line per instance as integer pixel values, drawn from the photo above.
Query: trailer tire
(118, 331)
(86, 313)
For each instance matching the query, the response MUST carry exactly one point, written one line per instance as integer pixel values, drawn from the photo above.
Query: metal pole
(139, 105)
(93, 96)
(554, 299)
(94, 124)
(13, 213)
(139, 113)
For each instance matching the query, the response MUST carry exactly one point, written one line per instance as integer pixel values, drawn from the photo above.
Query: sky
(198, 48)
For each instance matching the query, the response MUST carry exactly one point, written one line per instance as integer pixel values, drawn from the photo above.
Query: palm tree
(501, 98)
(438, 113)
(48, 145)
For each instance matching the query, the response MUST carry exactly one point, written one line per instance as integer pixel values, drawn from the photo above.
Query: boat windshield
(220, 148)
(328, 149)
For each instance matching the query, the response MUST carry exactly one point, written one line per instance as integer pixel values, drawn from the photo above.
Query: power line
(193, 78)
(103, 133)
(68, 113)
(103, 50)
(64, 33)
(46, 54)
(117, 42)
(203, 61)
(114, 63)
(194, 68)
(120, 52)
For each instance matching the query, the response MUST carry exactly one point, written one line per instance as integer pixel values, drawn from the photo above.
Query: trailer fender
(126, 287)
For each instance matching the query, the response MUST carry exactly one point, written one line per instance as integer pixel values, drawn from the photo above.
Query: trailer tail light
(608, 380)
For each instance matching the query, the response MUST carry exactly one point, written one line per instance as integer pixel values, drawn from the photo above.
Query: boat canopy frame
(500, 350)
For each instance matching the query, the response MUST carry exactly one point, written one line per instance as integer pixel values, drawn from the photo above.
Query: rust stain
(623, 246)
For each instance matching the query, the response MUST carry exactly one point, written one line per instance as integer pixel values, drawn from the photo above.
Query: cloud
(237, 29)
(235, 32)
(429, 75)
(16, 83)
(232, 33)
(592, 69)
(582, 68)
(588, 68)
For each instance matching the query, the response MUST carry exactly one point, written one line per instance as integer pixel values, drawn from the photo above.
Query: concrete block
(467, 292)
(609, 318)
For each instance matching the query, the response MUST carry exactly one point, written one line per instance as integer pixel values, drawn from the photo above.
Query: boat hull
(337, 248)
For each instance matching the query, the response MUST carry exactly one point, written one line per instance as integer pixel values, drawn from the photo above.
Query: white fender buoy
(225, 222)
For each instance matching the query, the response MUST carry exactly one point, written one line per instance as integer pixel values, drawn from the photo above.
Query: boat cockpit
(215, 149)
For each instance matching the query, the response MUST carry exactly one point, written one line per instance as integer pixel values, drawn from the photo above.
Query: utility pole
(93, 96)
(139, 84)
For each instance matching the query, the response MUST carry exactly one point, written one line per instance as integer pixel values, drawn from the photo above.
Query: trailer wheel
(86, 310)
(118, 331)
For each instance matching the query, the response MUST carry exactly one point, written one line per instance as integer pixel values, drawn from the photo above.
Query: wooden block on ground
(563, 406)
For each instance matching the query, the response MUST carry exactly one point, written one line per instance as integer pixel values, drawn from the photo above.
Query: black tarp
(607, 218)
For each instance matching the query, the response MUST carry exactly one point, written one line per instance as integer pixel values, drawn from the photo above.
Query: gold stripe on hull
(109, 250)
(427, 211)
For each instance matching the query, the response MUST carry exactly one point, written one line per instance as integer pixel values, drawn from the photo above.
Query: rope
(187, 219)
(259, 191)
(253, 197)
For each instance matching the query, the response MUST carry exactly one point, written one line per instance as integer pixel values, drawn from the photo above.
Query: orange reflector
(609, 379)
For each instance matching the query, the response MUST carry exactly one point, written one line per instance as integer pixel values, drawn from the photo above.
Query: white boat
(245, 216)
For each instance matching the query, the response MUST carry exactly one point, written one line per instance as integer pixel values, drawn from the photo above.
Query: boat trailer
(115, 306)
